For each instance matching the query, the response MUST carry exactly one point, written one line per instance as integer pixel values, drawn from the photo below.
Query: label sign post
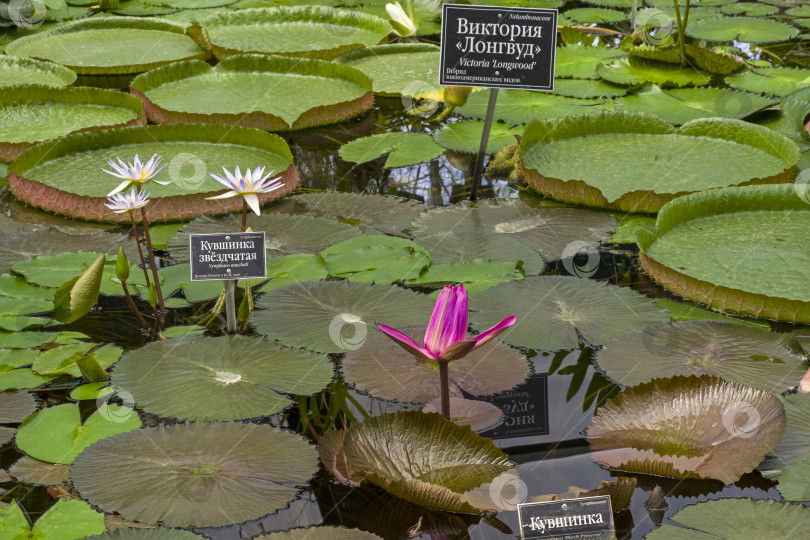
(497, 47)
(229, 257)
(586, 518)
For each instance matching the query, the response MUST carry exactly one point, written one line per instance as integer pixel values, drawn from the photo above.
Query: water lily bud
(244, 310)
(804, 385)
(122, 266)
(401, 22)
(90, 368)
(152, 295)
(456, 95)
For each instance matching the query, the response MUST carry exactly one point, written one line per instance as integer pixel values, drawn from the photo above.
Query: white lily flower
(127, 202)
(135, 173)
(247, 186)
(402, 23)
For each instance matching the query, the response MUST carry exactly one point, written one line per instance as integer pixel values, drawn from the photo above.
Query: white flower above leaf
(127, 202)
(136, 173)
(404, 24)
(247, 185)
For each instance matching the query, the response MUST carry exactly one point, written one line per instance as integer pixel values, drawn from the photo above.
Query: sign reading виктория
(587, 518)
(498, 47)
(227, 256)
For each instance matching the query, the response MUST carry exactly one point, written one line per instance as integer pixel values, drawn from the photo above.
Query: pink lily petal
(485, 336)
(407, 343)
(458, 350)
(804, 385)
(448, 323)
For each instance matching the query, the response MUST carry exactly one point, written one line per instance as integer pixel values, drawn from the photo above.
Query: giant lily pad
(240, 377)
(200, 474)
(387, 371)
(737, 353)
(547, 230)
(687, 427)
(635, 71)
(267, 92)
(14, 407)
(333, 317)
(794, 447)
(298, 31)
(397, 70)
(580, 61)
(521, 107)
(553, 311)
(65, 520)
(14, 71)
(744, 29)
(465, 136)
(595, 15)
(468, 247)
(31, 114)
(29, 470)
(38, 175)
(635, 162)
(376, 259)
(109, 45)
(417, 457)
(778, 81)
(793, 482)
(403, 149)
(735, 518)
(745, 251)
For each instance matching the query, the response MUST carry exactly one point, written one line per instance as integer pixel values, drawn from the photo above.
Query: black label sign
(227, 256)
(588, 518)
(498, 47)
(525, 409)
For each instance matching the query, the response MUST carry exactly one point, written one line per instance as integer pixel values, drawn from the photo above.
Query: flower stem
(681, 44)
(133, 307)
(152, 265)
(444, 383)
(244, 215)
(140, 250)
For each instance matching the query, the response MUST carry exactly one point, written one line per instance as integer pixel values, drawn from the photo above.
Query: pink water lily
(804, 384)
(446, 336)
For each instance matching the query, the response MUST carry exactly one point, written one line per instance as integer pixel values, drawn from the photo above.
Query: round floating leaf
(50, 270)
(798, 11)
(743, 29)
(792, 120)
(25, 340)
(404, 69)
(16, 286)
(57, 435)
(517, 107)
(377, 259)
(751, 254)
(12, 378)
(579, 61)
(623, 4)
(390, 215)
(734, 352)
(33, 471)
(62, 360)
(316, 533)
(65, 520)
(778, 81)
(268, 92)
(553, 311)
(550, 231)
(201, 475)
(710, 428)
(403, 149)
(386, 371)
(283, 271)
(189, 151)
(635, 71)
(712, 61)
(476, 276)
(471, 246)
(14, 71)
(752, 9)
(634, 162)
(465, 136)
(299, 31)
(109, 45)
(417, 457)
(595, 15)
(91, 390)
(158, 533)
(16, 406)
(31, 114)
(240, 377)
(793, 482)
(23, 306)
(587, 88)
(795, 444)
(735, 518)
(479, 415)
(333, 316)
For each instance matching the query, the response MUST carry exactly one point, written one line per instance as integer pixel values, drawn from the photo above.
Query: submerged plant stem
(444, 383)
(140, 250)
(152, 265)
(681, 25)
(133, 307)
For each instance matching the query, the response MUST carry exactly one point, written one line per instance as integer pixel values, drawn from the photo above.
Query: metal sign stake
(230, 305)
(482, 148)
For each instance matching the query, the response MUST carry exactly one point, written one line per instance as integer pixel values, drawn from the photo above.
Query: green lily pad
(799, 11)
(16, 406)
(634, 71)
(749, 230)
(14, 71)
(686, 311)
(62, 360)
(16, 286)
(203, 474)
(25, 340)
(465, 136)
(793, 482)
(138, 8)
(38, 175)
(50, 270)
(712, 61)
(579, 61)
(377, 259)
(518, 107)
(476, 276)
(710, 428)
(12, 374)
(475, 246)
(158, 533)
(283, 271)
(402, 69)
(298, 31)
(109, 45)
(595, 15)
(268, 92)
(56, 434)
(332, 317)
(751, 9)
(735, 518)
(400, 452)
(742, 29)
(29, 470)
(778, 81)
(635, 161)
(792, 120)
(65, 520)
(403, 149)
(90, 390)
(549, 231)
(386, 371)
(794, 446)
(622, 4)
(14, 323)
(553, 311)
(681, 105)
(24, 306)
(31, 114)
(241, 377)
(313, 533)
(749, 356)
(587, 88)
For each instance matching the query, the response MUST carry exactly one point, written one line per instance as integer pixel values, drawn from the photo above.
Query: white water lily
(127, 202)
(247, 186)
(404, 24)
(136, 173)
